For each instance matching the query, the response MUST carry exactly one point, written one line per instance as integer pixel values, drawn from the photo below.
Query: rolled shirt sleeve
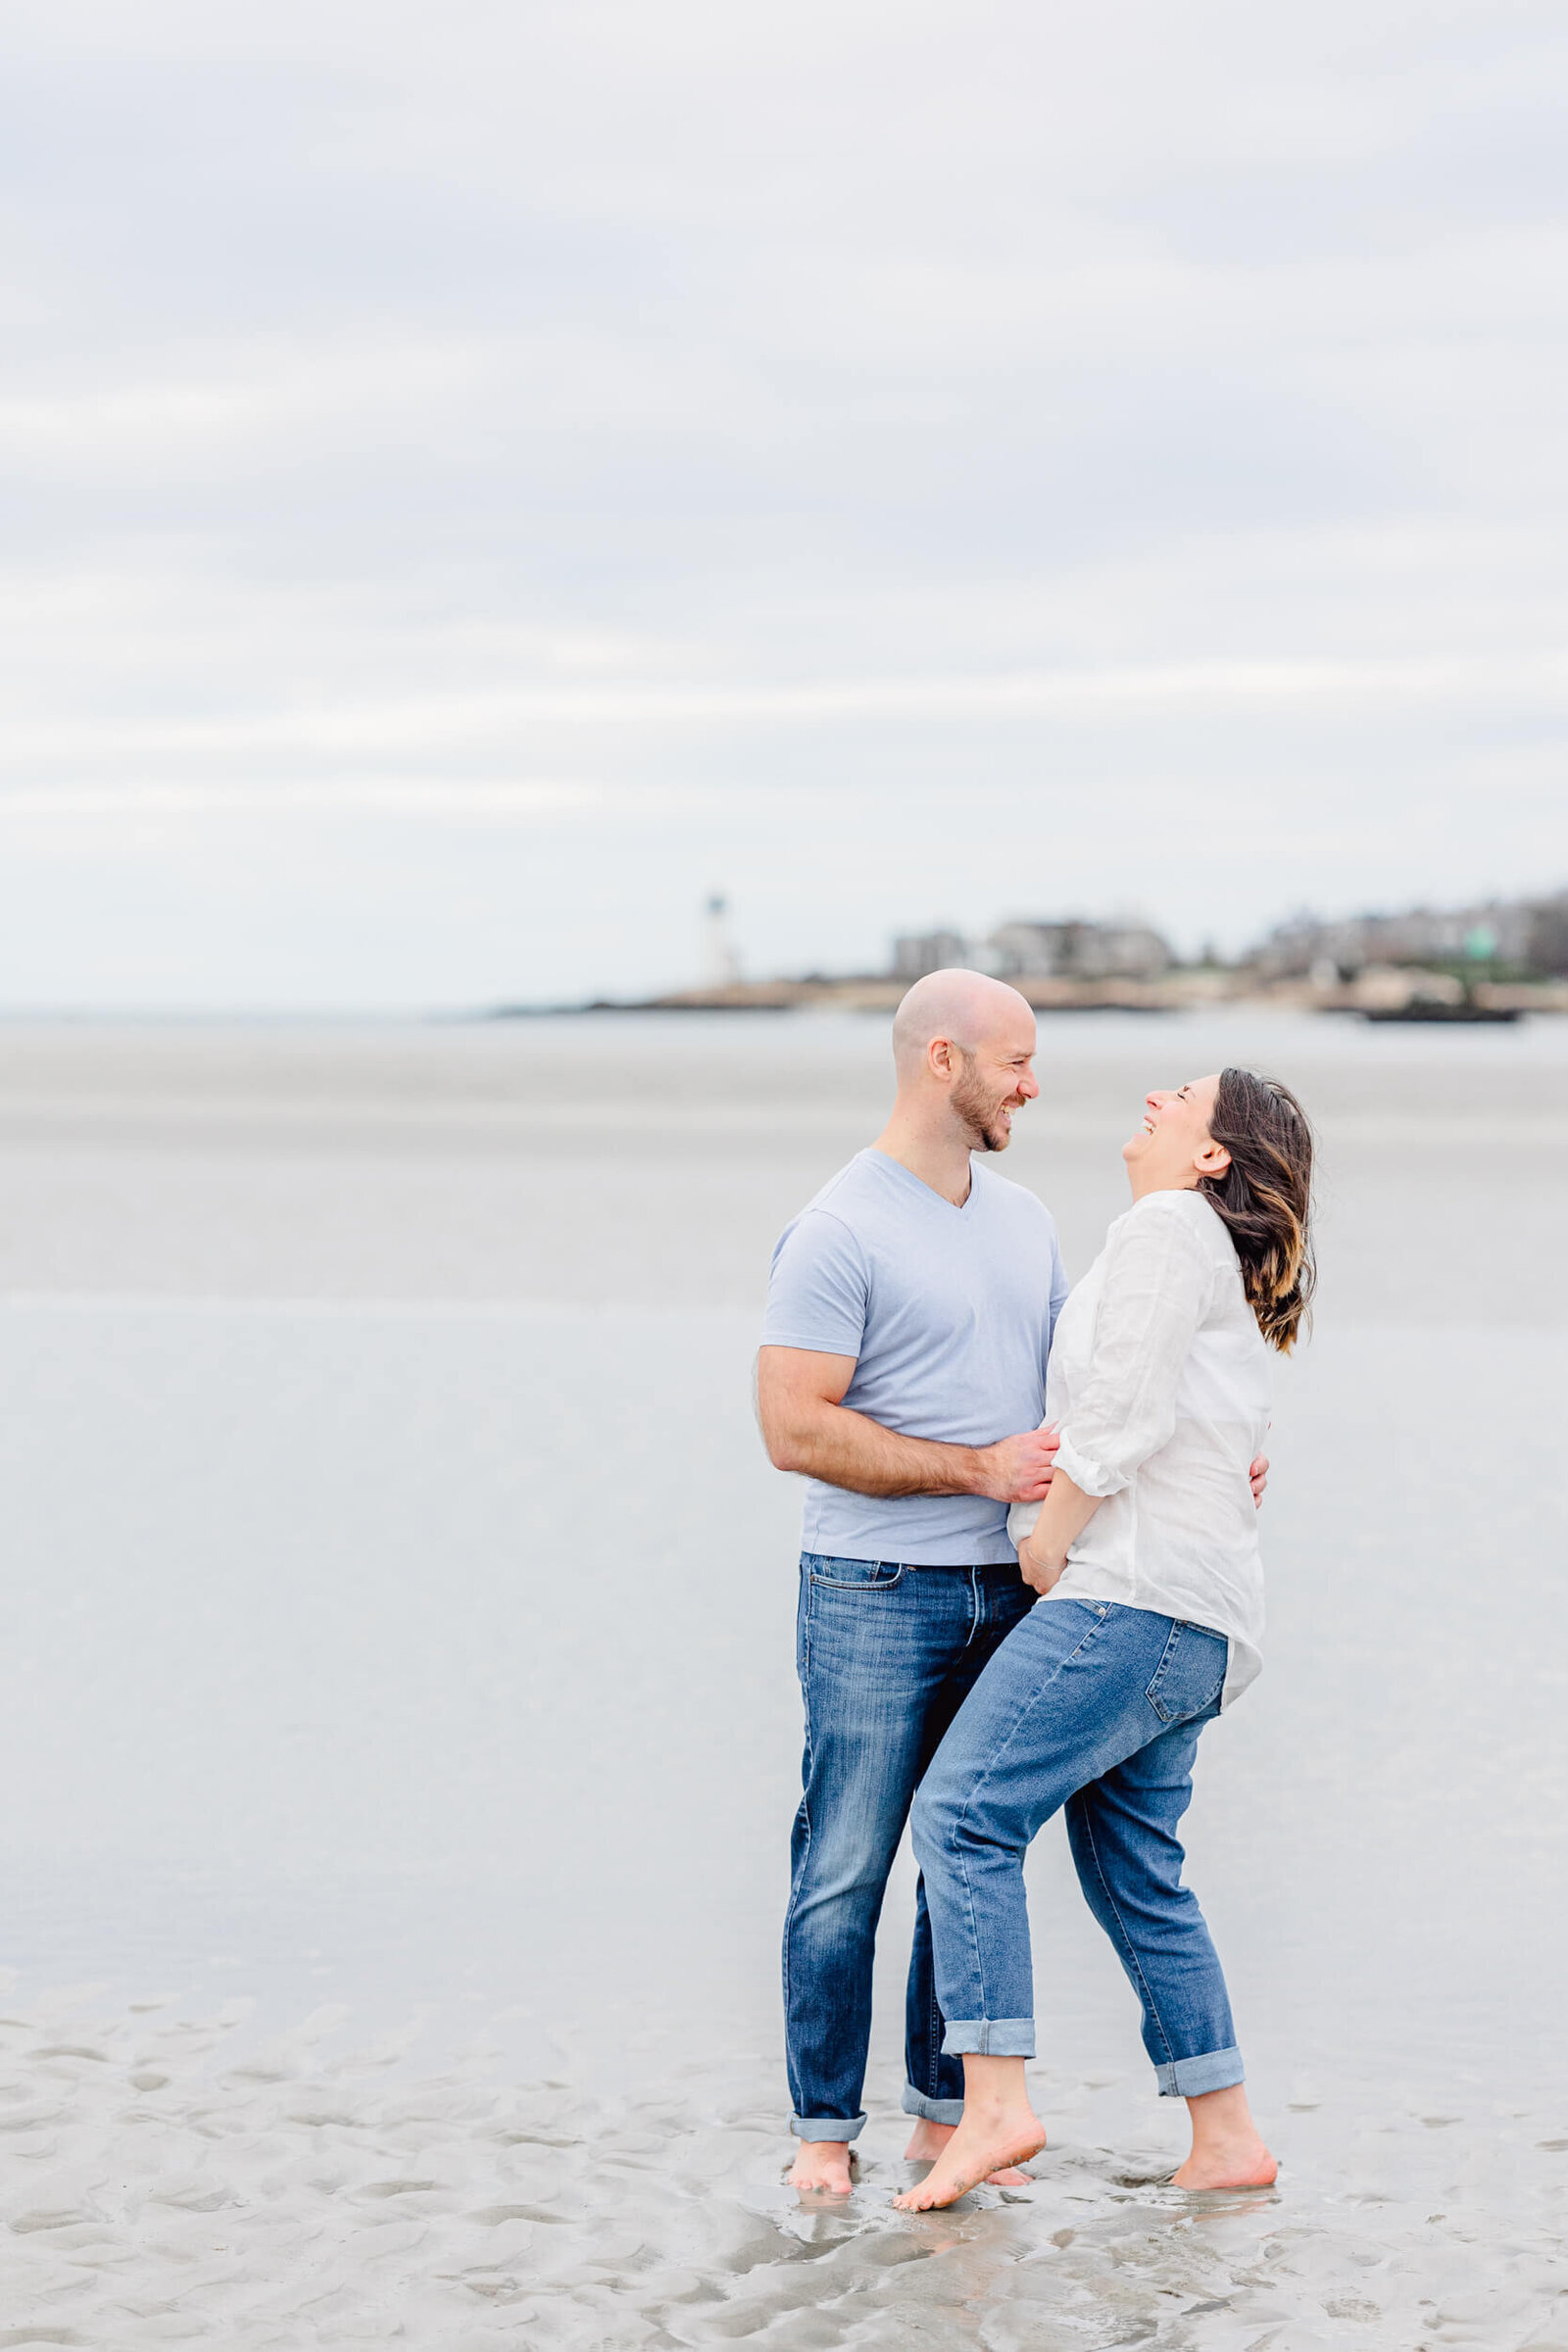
(1158, 1289)
(819, 1290)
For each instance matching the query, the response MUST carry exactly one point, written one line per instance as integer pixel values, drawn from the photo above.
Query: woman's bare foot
(822, 2167)
(928, 2139)
(999, 2128)
(1242, 2168)
(1228, 2151)
(989, 2141)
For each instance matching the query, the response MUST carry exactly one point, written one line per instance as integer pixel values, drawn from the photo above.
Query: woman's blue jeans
(887, 1654)
(1098, 1708)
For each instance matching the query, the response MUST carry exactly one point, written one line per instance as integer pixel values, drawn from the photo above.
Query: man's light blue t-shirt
(949, 1314)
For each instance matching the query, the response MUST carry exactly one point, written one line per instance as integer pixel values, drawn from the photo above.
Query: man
(903, 1370)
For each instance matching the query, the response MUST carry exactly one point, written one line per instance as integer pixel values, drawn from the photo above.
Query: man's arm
(807, 1426)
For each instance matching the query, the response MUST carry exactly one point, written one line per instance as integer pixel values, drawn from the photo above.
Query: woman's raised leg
(1046, 1714)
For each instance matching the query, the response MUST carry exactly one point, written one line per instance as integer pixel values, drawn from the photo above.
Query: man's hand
(807, 1428)
(1018, 1469)
(1258, 1474)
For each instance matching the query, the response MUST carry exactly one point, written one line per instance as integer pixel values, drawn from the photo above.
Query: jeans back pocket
(1191, 1675)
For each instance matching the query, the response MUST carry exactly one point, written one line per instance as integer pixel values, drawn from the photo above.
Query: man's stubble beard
(982, 1117)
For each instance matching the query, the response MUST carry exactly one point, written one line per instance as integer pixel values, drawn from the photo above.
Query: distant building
(916, 953)
(1525, 935)
(1077, 951)
(1548, 934)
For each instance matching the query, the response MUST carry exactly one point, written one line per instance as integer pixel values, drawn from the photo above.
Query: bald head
(967, 1009)
(965, 1049)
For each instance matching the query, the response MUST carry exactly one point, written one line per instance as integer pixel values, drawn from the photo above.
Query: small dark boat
(1427, 1008)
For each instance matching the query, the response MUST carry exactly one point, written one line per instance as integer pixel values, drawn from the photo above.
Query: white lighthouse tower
(721, 966)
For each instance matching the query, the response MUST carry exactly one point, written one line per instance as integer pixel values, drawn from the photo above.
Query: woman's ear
(1213, 1159)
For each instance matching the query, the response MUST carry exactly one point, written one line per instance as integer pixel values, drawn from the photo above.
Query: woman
(1147, 1550)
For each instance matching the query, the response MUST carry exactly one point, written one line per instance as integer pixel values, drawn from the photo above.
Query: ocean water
(398, 1724)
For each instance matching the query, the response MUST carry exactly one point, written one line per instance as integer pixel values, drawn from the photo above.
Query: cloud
(895, 462)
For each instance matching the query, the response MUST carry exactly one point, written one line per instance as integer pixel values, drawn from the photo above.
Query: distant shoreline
(1385, 993)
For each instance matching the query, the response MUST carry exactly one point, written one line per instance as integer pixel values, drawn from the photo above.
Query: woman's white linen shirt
(1159, 1381)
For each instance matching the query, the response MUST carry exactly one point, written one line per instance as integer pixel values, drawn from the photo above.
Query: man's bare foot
(1228, 2151)
(1228, 2164)
(822, 2167)
(928, 2139)
(990, 2140)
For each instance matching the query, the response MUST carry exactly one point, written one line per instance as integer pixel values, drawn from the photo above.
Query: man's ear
(939, 1057)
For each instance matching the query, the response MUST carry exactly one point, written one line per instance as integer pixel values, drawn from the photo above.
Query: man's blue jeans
(886, 1655)
(1098, 1708)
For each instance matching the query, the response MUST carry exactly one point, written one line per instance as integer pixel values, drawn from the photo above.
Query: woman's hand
(1041, 1573)
(1064, 1515)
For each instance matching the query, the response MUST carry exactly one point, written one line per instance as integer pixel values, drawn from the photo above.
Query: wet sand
(399, 1698)
(164, 2186)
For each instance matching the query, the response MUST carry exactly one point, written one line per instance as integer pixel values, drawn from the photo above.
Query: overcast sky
(478, 478)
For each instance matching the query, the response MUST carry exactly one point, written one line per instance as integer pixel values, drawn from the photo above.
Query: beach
(401, 1734)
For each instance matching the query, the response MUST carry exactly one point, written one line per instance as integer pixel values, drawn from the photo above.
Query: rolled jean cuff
(935, 2111)
(828, 2126)
(1190, 2078)
(990, 2038)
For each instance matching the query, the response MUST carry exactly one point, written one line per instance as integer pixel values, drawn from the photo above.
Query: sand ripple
(164, 2182)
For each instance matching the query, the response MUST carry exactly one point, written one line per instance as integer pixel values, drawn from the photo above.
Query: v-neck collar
(959, 1208)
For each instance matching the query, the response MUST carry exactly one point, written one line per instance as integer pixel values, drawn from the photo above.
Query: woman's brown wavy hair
(1265, 1198)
